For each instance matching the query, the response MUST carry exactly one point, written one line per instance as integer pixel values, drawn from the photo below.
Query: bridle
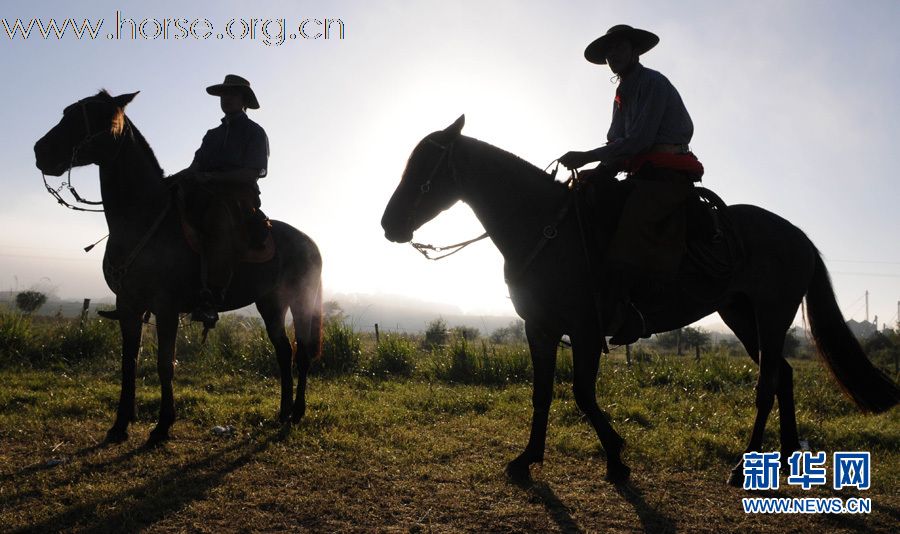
(425, 188)
(548, 233)
(88, 138)
(116, 273)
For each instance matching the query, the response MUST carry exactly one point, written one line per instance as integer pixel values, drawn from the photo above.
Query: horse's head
(427, 186)
(87, 131)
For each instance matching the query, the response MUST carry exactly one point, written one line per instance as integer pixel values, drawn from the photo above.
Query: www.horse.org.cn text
(268, 31)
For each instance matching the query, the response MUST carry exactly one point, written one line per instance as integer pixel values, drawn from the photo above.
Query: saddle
(253, 236)
(711, 252)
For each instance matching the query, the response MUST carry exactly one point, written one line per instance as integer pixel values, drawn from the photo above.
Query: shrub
(394, 356)
(78, 342)
(436, 334)
(16, 338)
(341, 349)
(512, 333)
(29, 301)
(469, 333)
(238, 343)
(467, 363)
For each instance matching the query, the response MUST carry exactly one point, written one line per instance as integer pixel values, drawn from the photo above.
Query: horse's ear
(456, 128)
(123, 100)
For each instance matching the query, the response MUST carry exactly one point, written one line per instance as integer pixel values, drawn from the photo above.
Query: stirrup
(112, 315)
(632, 329)
(206, 311)
(207, 316)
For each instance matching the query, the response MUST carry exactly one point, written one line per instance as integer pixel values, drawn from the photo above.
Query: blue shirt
(648, 110)
(237, 143)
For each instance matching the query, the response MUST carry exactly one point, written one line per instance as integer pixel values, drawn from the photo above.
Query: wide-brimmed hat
(641, 40)
(233, 80)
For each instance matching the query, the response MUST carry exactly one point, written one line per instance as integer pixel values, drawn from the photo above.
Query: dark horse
(519, 206)
(150, 267)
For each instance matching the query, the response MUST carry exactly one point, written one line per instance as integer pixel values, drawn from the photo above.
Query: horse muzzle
(43, 160)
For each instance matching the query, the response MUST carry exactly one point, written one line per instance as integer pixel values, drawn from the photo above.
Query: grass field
(422, 452)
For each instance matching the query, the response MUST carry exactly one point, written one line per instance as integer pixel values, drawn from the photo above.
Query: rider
(221, 189)
(648, 139)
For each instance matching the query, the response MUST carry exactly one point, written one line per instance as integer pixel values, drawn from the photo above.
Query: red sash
(686, 163)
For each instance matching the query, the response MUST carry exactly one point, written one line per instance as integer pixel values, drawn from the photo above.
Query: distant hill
(393, 313)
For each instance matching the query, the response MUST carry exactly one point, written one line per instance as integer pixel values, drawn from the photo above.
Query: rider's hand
(574, 159)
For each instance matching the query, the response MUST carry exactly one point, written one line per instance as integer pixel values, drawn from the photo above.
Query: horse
(548, 273)
(150, 266)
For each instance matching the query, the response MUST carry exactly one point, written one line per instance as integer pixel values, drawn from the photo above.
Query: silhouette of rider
(221, 190)
(648, 138)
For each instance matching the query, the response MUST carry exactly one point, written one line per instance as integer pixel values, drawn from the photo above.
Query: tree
(469, 333)
(332, 312)
(671, 340)
(512, 333)
(791, 343)
(695, 337)
(29, 301)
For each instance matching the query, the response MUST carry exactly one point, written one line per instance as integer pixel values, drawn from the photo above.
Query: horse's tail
(315, 326)
(870, 389)
(307, 314)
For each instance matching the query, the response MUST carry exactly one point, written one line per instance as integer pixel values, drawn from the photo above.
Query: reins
(548, 233)
(424, 248)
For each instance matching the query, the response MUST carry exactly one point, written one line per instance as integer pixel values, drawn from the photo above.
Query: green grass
(407, 440)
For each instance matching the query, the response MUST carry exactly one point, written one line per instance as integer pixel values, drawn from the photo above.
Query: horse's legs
(166, 332)
(586, 359)
(308, 328)
(273, 314)
(787, 419)
(765, 334)
(543, 361)
(131, 326)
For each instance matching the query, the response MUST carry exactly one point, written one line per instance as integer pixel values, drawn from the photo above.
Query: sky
(794, 107)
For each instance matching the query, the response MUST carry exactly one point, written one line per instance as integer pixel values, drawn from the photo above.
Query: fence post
(84, 310)
(377, 335)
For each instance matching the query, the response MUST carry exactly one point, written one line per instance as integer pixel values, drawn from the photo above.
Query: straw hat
(233, 80)
(641, 40)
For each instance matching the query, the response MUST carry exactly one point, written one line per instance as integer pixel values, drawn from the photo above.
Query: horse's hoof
(157, 437)
(618, 474)
(517, 471)
(297, 416)
(115, 435)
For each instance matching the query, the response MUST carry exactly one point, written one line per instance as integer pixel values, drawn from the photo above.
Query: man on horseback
(648, 139)
(221, 192)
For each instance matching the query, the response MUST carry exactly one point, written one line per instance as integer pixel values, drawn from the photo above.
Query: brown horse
(150, 267)
(549, 281)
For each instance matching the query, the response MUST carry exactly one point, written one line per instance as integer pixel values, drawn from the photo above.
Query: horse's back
(294, 245)
(775, 248)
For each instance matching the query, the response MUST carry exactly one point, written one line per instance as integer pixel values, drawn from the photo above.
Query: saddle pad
(248, 254)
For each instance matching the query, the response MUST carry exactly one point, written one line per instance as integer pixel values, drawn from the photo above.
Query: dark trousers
(650, 236)
(218, 211)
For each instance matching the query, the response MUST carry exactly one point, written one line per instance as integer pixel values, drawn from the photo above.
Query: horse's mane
(135, 133)
(515, 165)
